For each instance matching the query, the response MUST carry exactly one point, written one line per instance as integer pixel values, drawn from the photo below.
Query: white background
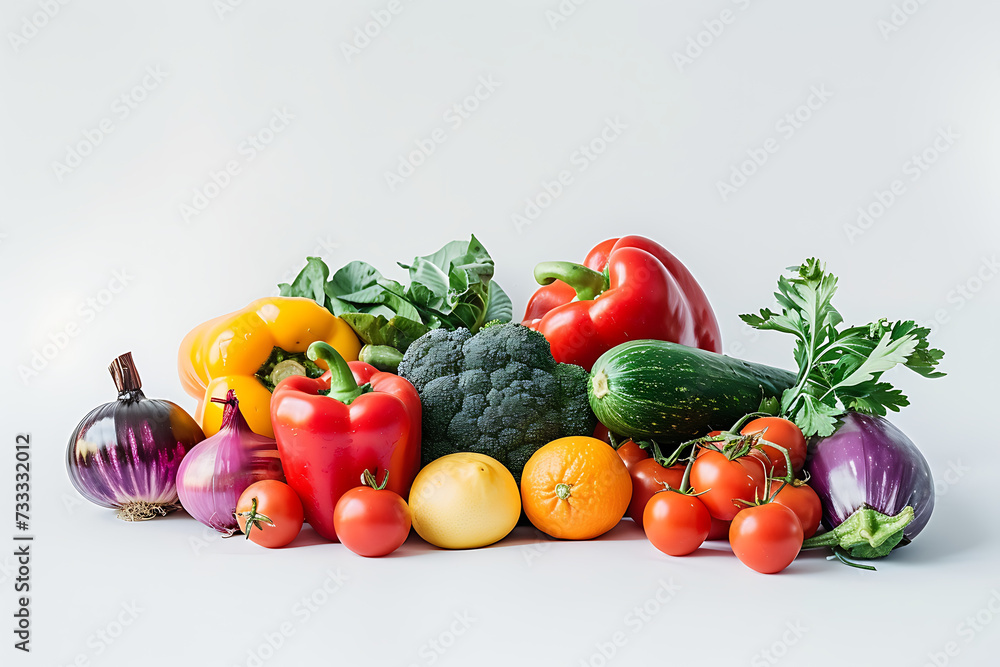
(320, 188)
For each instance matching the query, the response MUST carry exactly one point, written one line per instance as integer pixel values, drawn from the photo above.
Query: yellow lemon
(464, 501)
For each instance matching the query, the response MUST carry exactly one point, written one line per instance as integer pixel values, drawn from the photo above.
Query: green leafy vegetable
(448, 289)
(840, 368)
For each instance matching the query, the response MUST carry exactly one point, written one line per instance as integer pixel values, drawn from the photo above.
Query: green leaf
(816, 417)
(924, 359)
(422, 296)
(430, 277)
(397, 332)
(875, 399)
(353, 277)
(499, 306)
(887, 354)
(369, 295)
(310, 283)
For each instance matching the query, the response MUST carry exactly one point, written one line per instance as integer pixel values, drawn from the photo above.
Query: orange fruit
(575, 488)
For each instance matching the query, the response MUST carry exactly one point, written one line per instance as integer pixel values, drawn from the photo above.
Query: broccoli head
(498, 392)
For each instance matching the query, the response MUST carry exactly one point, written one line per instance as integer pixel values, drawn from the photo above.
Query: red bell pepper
(629, 288)
(326, 442)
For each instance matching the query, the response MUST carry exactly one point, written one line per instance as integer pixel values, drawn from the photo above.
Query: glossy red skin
(647, 480)
(370, 522)
(723, 481)
(601, 433)
(719, 529)
(804, 502)
(650, 295)
(325, 446)
(784, 433)
(558, 293)
(766, 538)
(676, 523)
(631, 454)
(278, 502)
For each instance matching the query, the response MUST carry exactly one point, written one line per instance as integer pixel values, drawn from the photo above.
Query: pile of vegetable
(367, 407)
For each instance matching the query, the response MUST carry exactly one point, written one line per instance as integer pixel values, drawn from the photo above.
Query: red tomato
(371, 522)
(784, 433)
(647, 478)
(724, 481)
(801, 499)
(273, 511)
(766, 538)
(631, 453)
(719, 530)
(601, 433)
(676, 523)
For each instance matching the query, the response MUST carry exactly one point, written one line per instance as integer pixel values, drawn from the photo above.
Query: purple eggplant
(875, 485)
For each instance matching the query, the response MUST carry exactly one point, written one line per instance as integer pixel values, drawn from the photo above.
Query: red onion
(124, 455)
(215, 473)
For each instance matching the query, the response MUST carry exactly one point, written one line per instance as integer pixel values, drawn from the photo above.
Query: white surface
(321, 183)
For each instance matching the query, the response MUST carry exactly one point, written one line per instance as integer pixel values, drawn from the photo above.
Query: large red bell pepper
(629, 288)
(326, 442)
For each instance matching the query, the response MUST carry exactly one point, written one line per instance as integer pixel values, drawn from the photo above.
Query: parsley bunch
(840, 368)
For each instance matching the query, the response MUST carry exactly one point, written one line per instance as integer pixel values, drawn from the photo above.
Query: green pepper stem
(343, 386)
(587, 282)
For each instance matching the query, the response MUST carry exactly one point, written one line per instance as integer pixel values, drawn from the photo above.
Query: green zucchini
(652, 389)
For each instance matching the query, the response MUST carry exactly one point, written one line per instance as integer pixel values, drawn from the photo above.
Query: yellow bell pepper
(252, 349)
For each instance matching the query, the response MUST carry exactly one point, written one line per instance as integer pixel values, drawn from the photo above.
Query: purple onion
(217, 471)
(870, 464)
(125, 455)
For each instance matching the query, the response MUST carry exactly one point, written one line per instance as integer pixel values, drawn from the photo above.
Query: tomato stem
(254, 518)
(368, 479)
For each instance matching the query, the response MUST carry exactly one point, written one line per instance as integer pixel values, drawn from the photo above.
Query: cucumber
(653, 389)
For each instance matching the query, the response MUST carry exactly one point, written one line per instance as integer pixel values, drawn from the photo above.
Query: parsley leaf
(839, 368)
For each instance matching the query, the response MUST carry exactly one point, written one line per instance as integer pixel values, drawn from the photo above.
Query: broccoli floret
(498, 392)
